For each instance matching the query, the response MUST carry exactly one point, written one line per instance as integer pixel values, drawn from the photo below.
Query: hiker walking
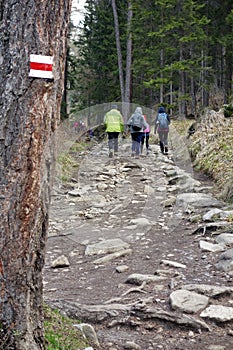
(145, 137)
(114, 124)
(137, 125)
(162, 122)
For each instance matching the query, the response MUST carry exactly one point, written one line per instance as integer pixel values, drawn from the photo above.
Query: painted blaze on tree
(29, 116)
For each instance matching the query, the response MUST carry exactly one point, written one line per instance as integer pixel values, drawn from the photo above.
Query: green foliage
(60, 333)
(180, 48)
(67, 164)
(228, 111)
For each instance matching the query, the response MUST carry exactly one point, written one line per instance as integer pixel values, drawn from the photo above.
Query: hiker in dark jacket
(162, 122)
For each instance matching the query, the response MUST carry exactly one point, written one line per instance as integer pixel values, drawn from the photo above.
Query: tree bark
(128, 55)
(119, 54)
(29, 116)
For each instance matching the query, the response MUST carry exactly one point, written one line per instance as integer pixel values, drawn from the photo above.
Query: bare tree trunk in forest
(128, 61)
(119, 54)
(193, 97)
(161, 75)
(125, 87)
(181, 89)
(29, 116)
(204, 92)
(171, 96)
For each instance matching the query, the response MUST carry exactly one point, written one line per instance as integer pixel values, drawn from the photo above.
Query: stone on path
(112, 256)
(226, 261)
(211, 247)
(218, 313)
(187, 301)
(140, 222)
(208, 290)
(212, 214)
(225, 238)
(131, 345)
(89, 332)
(137, 278)
(199, 200)
(106, 247)
(173, 264)
(61, 261)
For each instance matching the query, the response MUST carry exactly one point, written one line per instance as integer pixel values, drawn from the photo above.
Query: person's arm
(105, 120)
(122, 123)
(156, 124)
(144, 124)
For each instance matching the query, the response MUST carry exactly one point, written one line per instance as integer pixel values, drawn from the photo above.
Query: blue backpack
(163, 121)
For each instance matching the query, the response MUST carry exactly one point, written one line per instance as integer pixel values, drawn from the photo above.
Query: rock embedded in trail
(212, 213)
(61, 261)
(112, 256)
(131, 345)
(225, 238)
(88, 332)
(106, 246)
(173, 264)
(226, 261)
(138, 279)
(140, 222)
(198, 200)
(211, 247)
(218, 313)
(208, 290)
(186, 301)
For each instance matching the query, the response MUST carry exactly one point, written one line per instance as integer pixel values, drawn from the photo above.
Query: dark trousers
(146, 137)
(113, 141)
(136, 140)
(163, 139)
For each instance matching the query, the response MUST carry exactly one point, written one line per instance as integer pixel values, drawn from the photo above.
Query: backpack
(163, 121)
(137, 122)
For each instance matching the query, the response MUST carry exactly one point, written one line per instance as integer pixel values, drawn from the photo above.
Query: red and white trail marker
(41, 66)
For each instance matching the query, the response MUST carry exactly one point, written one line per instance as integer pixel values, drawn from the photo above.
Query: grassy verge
(67, 161)
(60, 334)
(212, 151)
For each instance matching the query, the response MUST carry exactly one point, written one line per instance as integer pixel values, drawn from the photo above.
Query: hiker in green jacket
(114, 124)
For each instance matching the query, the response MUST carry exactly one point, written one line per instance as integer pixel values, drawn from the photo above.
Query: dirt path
(134, 202)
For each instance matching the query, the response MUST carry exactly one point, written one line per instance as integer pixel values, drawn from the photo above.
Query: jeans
(136, 140)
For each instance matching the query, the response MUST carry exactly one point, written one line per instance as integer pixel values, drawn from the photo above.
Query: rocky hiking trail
(142, 251)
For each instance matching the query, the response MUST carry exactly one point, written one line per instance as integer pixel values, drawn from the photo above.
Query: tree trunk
(119, 54)
(161, 100)
(181, 89)
(30, 112)
(128, 64)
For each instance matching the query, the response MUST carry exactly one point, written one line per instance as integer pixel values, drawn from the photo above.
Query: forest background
(172, 52)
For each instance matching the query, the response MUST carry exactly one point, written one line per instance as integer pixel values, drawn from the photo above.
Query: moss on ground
(60, 332)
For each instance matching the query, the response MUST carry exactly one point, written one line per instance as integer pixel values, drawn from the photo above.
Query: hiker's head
(138, 110)
(114, 106)
(161, 109)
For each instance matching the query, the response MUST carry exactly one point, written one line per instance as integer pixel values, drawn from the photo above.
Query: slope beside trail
(131, 232)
